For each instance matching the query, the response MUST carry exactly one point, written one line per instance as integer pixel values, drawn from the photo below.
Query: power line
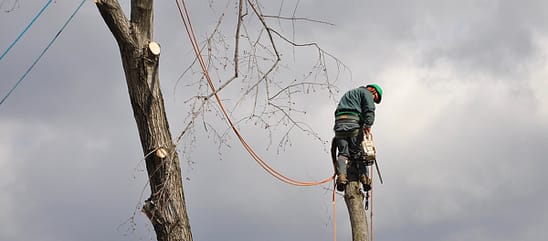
(43, 52)
(26, 28)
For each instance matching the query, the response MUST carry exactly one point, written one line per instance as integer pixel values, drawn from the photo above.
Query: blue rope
(43, 52)
(26, 28)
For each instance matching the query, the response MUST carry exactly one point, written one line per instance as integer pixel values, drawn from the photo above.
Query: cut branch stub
(161, 153)
(154, 48)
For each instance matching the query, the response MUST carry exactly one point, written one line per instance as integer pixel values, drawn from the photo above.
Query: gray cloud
(461, 149)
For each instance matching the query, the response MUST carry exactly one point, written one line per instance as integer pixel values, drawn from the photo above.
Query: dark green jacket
(358, 101)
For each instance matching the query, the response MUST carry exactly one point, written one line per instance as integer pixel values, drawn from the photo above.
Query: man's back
(358, 101)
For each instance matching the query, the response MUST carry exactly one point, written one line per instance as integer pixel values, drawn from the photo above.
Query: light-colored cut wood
(154, 48)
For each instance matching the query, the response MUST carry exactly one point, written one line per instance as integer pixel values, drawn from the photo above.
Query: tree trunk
(354, 198)
(166, 206)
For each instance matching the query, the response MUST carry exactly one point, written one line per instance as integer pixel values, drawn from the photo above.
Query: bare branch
(142, 15)
(116, 20)
(298, 19)
(237, 38)
(255, 59)
(287, 88)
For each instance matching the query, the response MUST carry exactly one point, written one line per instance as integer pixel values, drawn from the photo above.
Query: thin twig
(299, 19)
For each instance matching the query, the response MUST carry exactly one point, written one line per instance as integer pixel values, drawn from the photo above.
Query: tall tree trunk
(166, 206)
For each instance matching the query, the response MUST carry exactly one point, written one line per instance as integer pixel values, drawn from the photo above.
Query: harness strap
(347, 117)
(343, 134)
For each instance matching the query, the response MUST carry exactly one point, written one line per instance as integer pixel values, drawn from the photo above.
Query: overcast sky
(461, 134)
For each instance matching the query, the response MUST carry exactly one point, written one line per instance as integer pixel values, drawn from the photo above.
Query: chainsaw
(370, 153)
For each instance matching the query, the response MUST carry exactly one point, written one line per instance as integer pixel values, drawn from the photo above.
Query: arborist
(354, 115)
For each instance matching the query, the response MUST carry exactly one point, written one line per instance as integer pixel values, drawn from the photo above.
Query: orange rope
(190, 31)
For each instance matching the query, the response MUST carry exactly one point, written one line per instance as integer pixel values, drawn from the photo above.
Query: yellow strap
(347, 117)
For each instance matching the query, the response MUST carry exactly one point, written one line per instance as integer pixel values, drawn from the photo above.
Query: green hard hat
(379, 90)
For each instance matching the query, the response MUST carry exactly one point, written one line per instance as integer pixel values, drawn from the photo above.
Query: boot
(341, 182)
(366, 182)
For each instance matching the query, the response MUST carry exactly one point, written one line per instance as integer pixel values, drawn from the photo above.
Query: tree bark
(166, 206)
(354, 200)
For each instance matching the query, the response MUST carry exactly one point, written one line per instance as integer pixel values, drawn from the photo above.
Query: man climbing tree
(354, 116)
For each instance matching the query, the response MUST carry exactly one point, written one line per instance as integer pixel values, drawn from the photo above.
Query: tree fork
(166, 206)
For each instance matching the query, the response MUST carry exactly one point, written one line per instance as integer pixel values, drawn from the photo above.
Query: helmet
(379, 91)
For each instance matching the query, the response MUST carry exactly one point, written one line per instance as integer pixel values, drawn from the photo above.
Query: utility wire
(26, 28)
(43, 52)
